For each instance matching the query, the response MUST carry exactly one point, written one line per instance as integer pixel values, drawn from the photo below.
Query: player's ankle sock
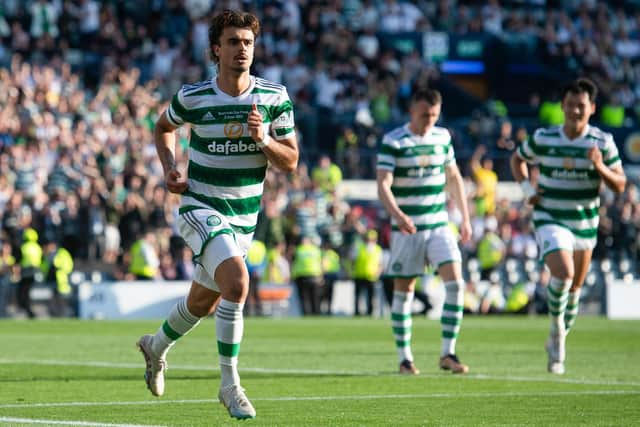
(401, 323)
(229, 329)
(557, 294)
(451, 316)
(179, 323)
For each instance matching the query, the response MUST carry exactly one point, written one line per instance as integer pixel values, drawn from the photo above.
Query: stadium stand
(82, 81)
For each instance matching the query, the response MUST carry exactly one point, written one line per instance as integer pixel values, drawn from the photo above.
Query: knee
(236, 289)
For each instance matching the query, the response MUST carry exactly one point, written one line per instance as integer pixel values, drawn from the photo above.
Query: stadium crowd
(82, 82)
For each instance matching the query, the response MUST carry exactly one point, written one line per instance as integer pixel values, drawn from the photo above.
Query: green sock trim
(168, 331)
(401, 330)
(452, 307)
(400, 316)
(450, 321)
(228, 350)
(403, 343)
(449, 334)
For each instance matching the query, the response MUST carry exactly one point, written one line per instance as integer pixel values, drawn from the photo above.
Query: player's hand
(406, 225)
(174, 181)
(465, 231)
(595, 155)
(535, 199)
(254, 123)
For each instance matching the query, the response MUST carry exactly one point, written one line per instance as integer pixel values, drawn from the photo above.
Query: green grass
(322, 372)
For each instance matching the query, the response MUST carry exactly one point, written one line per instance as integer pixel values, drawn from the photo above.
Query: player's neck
(573, 131)
(416, 130)
(233, 84)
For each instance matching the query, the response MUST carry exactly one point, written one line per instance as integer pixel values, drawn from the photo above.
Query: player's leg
(405, 264)
(557, 245)
(402, 323)
(581, 262)
(443, 251)
(451, 319)
(183, 317)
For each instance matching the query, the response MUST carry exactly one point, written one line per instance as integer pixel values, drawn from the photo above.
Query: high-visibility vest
(139, 264)
(367, 262)
(62, 264)
(307, 261)
(330, 261)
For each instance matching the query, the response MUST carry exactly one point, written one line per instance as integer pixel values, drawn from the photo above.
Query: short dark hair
(581, 85)
(430, 96)
(230, 18)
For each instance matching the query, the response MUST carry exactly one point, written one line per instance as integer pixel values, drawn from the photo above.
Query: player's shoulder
(204, 87)
(598, 135)
(441, 132)
(397, 133)
(547, 132)
(269, 86)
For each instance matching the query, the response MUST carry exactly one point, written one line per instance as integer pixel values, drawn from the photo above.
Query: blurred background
(83, 81)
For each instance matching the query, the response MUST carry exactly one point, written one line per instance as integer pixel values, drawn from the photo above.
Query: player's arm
(614, 177)
(520, 172)
(384, 180)
(282, 153)
(164, 135)
(455, 186)
(476, 156)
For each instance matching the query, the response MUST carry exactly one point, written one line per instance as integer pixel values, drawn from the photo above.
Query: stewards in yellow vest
(144, 258)
(256, 264)
(30, 260)
(367, 266)
(491, 249)
(307, 273)
(57, 266)
(330, 272)
(7, 269)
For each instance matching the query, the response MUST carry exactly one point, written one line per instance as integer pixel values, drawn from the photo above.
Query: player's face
(423, 116)
(235, 51)
(577, 109)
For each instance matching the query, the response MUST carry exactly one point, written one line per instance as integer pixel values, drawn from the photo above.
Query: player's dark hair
(230, 18)
(430, 96)
(581, 85)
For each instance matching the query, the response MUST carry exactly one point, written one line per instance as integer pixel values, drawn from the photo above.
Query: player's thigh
(556, 246)
(407, 255)
(444, 254)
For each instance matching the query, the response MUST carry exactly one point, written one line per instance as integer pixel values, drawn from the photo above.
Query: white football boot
(236, 402)
(154, 374)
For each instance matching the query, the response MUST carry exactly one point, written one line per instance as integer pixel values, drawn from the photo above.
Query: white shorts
(212, 241)
(410, 252)
(553, 238)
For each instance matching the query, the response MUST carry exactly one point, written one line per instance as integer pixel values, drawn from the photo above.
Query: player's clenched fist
(254, 123)
(174, 181)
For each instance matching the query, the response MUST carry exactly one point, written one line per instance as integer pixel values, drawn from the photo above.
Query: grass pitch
(322, 372)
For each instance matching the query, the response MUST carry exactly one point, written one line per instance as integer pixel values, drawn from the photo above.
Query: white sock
(401, 323)
(557, 295)
(451, 318)
(229, 329)
(179, 323)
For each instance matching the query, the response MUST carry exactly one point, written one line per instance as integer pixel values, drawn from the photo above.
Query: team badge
(397, 266)
(233, 130)
(214, 221)
(569, 163)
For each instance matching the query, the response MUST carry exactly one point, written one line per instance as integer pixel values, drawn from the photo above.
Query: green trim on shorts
(212, 236)
(398, 276)
(555, 250)
(448, 262)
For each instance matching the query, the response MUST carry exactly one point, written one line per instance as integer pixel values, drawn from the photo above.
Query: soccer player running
(574, 159)
(415, 165)
(239, 124)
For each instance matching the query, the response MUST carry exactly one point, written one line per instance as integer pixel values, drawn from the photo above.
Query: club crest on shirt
(214, 221)
(397, 266)
(569, 163)
(233, 130)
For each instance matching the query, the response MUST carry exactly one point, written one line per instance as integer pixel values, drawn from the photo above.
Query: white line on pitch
(111, 365)
(67, 423)
(348, 397)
